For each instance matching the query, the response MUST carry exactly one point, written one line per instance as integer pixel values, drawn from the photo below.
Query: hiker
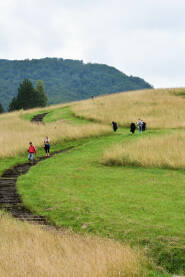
(139, 124)
(114, 126)
(132, 128)
(144, 126)
(31, 152)
(47, 146)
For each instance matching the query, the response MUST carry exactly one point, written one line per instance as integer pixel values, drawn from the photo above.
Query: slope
(65, 80)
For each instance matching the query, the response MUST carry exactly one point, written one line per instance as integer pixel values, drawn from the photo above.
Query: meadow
(17, 133)
(29, 250)
(127, 189)
(164, 151)
(136, 206)
(160, 108)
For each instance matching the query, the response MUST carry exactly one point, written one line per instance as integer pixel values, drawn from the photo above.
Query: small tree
(1, 109)
(42, 98)
(27, 96)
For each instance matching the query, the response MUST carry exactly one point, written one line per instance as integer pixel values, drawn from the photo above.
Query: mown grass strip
(64, 114)
(58, 114)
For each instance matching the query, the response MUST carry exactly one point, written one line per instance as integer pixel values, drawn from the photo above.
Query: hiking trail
(38, 118)
(10, 200)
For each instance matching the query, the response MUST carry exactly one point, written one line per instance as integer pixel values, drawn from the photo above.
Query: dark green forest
(64, 79)
(29, 97)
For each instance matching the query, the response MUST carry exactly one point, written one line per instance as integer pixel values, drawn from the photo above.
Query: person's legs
(31, 157)
(47, 150)
(140, 129)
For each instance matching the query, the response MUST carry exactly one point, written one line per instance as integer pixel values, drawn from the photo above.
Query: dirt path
(38, 118)
(10, 200)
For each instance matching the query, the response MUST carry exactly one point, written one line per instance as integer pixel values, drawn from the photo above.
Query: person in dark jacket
(144, 126)
(114, 126)
(132, 128)
(47, 146)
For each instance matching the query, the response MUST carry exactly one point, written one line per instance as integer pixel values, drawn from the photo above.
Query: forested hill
(64, 80)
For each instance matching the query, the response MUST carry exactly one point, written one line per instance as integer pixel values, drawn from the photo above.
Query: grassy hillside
(28, 250)
(113, 185)
(160, 108)
(16, 133)
(65, 80)
(165, 151)
(134, 205)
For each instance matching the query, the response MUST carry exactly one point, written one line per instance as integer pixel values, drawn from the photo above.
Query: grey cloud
(144, 38)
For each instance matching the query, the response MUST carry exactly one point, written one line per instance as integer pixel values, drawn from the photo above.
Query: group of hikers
(140, 123)
(32, 151)
(141, 126)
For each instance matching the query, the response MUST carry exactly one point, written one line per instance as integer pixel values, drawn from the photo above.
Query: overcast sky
(144, 38)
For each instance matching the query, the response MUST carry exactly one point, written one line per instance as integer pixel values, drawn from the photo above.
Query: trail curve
(10, 200)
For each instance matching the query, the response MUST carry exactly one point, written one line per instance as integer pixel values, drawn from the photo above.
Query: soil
(10, 200)
(38, 118)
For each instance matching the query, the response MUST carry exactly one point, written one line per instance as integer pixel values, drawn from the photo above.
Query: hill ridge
(65, 79)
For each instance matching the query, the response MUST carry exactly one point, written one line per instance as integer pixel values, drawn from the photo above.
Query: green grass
(6, 163)
(29, 116)
(9, 162)
(158, 274)
(140, 206)
(65, 114)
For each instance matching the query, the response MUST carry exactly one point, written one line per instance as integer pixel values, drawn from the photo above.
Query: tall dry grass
(28, 250)
(16, 133)
(160, 108)
(165, 151)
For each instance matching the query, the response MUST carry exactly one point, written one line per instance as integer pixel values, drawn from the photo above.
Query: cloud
(143, 38)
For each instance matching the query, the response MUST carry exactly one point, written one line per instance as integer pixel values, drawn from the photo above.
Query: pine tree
(1, 109)
(13, 105)
(27, 96)
(42, 98)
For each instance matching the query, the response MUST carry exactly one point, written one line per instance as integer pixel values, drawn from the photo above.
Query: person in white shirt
(139, 124)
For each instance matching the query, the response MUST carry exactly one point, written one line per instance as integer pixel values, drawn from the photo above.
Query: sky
(144, 38)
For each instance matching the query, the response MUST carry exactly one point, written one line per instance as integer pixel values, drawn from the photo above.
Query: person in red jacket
(31, 152)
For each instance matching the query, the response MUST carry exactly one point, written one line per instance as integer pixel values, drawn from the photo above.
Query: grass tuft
(164, 151)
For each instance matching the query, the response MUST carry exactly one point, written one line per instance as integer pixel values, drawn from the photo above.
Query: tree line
(65, 80)
(28, 97)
